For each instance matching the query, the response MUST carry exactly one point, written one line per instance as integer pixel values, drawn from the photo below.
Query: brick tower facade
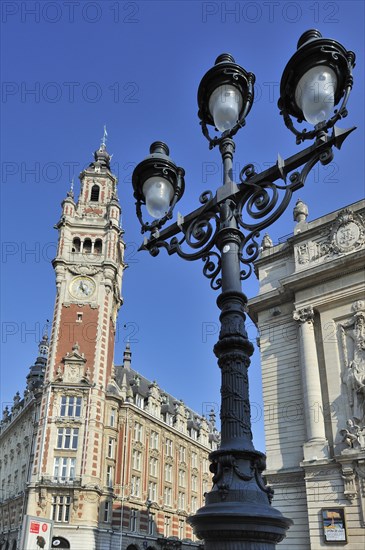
(68, 473)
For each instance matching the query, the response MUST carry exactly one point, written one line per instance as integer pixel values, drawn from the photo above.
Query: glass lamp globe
(158, 193)
(225, 105)
(315, 94)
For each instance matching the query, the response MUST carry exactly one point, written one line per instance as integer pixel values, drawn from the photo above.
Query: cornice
(305, 279)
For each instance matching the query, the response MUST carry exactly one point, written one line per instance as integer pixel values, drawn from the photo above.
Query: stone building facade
(113, 460)
(18, 429)
(310, 312)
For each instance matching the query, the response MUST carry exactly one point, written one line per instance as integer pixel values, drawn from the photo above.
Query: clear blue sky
(136, 66)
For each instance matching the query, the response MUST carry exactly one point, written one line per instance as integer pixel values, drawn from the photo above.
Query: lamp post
(223, 232)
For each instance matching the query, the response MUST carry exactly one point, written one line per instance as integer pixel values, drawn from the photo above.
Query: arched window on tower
(76, 245)
(98, 246)
(87, 246)
(95, 191)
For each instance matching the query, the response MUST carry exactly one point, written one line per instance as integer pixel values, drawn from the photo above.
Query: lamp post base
(233, 525)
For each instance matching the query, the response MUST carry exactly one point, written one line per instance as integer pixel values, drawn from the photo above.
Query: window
(106, 511)
(79, 317)
(194, 483)
(152, 491)
(154, 440)
(76, 245)
(167, 496)
(109, 476)
(181, 529)
(133, 520)
(98, 246)
(153, 466)
(139, 400)
(138, 432)
(64, 468)
(112, 418)
(168, 472)
(70, 406)
(167, 526)
(205, 465)
(193, 434)
(135, 486)
(67, 438)
(181, 501)
(111, 447)
(204, 487)
(182, 478)
(168, 447)
(136, 460)
(151, 523)
(94, 195)
(182, 454)
(153, 408)
(194, 460)
(87, 246)
(194, 504)
(169, 419)
(61, 508)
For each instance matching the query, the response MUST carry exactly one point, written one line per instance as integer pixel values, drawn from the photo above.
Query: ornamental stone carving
(84, 269)
(353, 435)
(266, 242)
(352, 336)
(304, 315)
(348, 476)
(300, 212)
(347, 233)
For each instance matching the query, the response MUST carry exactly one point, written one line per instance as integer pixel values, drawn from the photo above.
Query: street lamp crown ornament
(315, 79)
(223, 232)
(225, 97)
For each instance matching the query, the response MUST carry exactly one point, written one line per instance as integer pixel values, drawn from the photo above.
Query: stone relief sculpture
(353, 344)
(353, 435)
(346, 234)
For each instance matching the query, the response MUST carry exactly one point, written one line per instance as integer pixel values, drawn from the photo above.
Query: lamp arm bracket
(255, 203)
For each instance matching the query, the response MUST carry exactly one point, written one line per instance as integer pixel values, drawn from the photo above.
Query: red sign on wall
(34, 527)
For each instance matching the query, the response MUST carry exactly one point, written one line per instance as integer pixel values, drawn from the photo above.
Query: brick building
(114, 461)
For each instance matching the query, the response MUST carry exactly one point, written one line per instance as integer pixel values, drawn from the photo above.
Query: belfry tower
(78, 419)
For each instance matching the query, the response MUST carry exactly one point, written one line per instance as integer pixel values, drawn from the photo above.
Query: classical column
(316, 445)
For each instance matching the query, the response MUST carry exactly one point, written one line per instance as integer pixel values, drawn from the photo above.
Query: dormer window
(95, 191)
(139, 401)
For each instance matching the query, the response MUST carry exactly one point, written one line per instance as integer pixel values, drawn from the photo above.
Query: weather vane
(105, 135)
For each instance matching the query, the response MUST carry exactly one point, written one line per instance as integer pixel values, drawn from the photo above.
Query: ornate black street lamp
(223, 232)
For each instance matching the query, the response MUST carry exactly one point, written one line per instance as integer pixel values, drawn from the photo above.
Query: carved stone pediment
(74, 367)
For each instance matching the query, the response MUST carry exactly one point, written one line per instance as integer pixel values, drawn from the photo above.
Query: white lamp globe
(225, 105)
(158, 194)
(315, 94)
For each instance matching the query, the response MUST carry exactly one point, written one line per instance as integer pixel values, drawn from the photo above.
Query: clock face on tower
(82, 287)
